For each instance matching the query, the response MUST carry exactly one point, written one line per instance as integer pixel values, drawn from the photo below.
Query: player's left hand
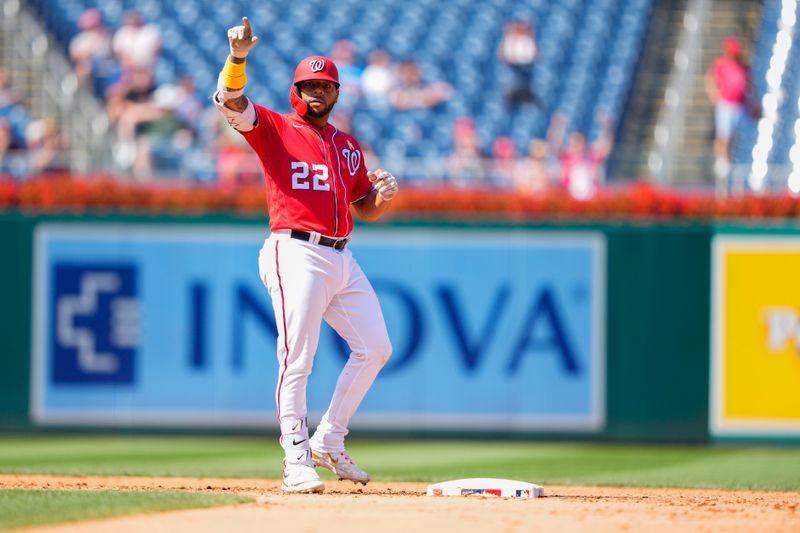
(383, 182)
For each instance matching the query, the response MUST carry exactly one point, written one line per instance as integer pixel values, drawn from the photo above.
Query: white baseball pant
(309, 283)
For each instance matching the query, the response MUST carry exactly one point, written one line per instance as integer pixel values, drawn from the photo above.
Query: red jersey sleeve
(361, 184)
(266, 131)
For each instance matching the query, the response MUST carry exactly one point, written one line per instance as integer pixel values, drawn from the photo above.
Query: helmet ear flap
(298, 103)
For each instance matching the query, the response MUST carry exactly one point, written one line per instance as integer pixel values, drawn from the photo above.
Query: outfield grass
(544, 463)
(20, 508)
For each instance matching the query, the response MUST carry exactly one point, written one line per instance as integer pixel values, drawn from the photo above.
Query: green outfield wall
(658, 323)
(657, 294)
(15, 320)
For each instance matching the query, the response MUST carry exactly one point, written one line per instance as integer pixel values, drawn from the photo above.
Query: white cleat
(300, 477)
(340, 464)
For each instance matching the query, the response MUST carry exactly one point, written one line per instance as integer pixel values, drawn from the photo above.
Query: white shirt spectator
(137, 44)
(94, 39)
(518, 46)
(378, 77)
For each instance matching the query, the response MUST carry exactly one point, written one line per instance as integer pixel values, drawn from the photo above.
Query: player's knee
(299, 367)
(373, 352)
(382, 351)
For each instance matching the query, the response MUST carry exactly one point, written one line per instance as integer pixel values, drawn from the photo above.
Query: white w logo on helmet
(316, 65)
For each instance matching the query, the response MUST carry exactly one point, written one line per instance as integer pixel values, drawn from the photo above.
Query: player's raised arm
(229, 97)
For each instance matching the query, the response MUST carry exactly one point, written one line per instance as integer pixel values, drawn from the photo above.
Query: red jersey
(312, 174)
(732, 79)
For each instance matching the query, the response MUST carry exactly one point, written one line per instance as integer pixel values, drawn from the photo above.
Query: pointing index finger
(247, 30)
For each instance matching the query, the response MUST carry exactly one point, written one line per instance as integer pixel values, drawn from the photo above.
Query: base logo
(94, 324)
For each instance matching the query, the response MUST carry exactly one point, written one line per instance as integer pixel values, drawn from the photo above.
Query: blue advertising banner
(170, 325)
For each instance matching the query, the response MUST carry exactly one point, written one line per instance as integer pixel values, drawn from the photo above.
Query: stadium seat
(587, 55)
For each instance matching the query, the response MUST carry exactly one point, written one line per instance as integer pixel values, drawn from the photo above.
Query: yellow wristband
(233, 75)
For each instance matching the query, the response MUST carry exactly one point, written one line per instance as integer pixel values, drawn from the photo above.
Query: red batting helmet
(311, 68)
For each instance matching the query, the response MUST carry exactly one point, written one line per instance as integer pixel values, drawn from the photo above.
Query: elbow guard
(244, 121)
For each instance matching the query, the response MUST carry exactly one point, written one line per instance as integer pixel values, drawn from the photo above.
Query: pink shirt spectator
(580, 169)
(732, 79)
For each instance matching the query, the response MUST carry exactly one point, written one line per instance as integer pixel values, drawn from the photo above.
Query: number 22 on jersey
(317, 181)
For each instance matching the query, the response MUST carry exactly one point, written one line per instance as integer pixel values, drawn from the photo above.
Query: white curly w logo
(353, 158)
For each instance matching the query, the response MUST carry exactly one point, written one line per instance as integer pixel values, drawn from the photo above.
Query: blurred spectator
(728, 88)
(517, 49)
(504, 161)
(343, 54)
(378, 78)
(410, 92)
(13, 121)
(534, 174)
(6, 138)
(12, 160)
(46, 147)
(131, 105)
(465, 165)
(12, 110)
(129, 101)
(8, 96)
(90, 51)
(136, 44)
(582, 164)
(189, 107)
(169, 131)
(237, 165)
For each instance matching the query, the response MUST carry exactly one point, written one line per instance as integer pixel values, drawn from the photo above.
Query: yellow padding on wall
(233, 75)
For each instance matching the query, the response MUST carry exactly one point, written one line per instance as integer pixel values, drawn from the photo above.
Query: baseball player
(314, 175)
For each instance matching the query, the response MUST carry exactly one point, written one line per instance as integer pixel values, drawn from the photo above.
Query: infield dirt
(403, 507)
